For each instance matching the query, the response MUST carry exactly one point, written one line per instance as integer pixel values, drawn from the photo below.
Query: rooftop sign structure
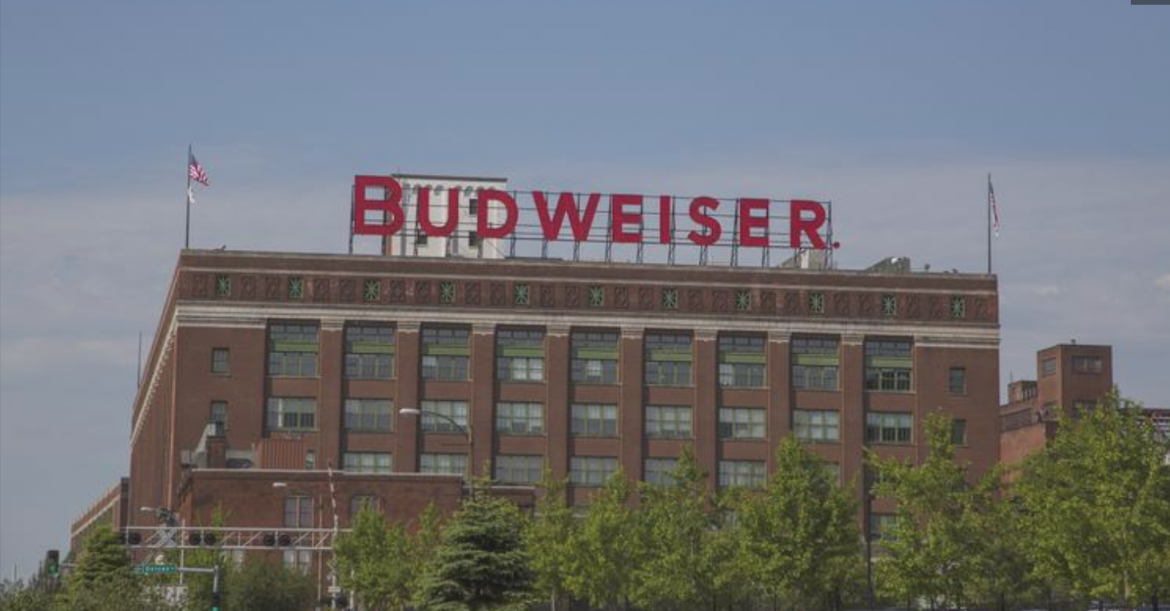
(385, 206)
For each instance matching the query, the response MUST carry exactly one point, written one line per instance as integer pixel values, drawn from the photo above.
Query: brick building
(291, 389)
(1073, 376)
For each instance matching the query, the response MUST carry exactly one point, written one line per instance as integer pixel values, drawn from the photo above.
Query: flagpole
(187, 232)
(989, 222)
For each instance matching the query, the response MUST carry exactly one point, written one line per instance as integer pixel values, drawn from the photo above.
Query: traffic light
(52, 562)
(216, 601)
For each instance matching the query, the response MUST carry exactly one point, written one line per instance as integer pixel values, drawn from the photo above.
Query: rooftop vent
(891, 265)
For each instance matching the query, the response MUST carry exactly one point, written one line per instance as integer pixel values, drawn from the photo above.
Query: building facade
(1071, 376)
(270, 371)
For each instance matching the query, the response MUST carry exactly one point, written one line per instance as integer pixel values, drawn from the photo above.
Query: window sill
(521, 435)
(580, 436)
(745, 439)
(602, 384)
(799, 389)
(525, 382)
(291, 377)
(368, 432)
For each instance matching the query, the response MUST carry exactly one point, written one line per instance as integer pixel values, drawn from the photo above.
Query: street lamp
(164, 515)
(466, 430)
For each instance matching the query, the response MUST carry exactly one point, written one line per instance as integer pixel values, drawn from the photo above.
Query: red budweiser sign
(575, 216)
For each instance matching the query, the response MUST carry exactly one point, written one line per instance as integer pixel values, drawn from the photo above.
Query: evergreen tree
(482, 562)
(938, 546)
(800, 537)
(550, 540)
(606, 548)
(375, 561)
(103, 572)
(1097, 503)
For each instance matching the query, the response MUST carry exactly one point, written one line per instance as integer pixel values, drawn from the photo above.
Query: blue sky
(894, 110)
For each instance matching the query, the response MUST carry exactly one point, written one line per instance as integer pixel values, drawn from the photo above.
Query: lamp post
(466, 430)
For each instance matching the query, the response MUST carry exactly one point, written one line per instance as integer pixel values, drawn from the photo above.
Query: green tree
(36, 594)
(685, 553)
(606, 548)
(482, 562)
(103, 572)
(425, 544)
(937, 547)
(800, 537)
(261, 585)
(376, 561)
(199, 585)
(1005, 579)
(1097, 501)
(550, 540)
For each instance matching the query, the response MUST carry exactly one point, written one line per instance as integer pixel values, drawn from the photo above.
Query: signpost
(155, 569)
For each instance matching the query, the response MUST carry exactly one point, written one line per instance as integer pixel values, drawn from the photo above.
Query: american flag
(196, 171)
(990, 202)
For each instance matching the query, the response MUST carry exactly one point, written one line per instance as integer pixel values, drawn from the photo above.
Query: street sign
(155, 569)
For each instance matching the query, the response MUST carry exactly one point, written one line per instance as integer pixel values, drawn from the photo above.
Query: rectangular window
(455, 410)
(742, 473)
(443, 464)
(298, 560)
(888, 365)
(218, 417)
(815, 363)
(595, 357)
(594, 420)
(1086, 364)
(959, 432)
(668, 421)
(291, 414)
(591, 470)
(292, 350)
(369, 352)
(668, 359)
(520, 355)
(889, 428)
(369, 415)
(957, 381)
(367, 462)
(742, 362)
(524, 470)
(1048, 366)
(880, 526)
(834, 471)
(310, 460)
(658, 471)
(446, 352)
(362, 502)
(221, 361)
(298, 512)
(816, 426)
(742, 423)
(520, 418)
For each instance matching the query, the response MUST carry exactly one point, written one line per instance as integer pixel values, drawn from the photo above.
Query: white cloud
(1163, 281)
(1047, 290)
